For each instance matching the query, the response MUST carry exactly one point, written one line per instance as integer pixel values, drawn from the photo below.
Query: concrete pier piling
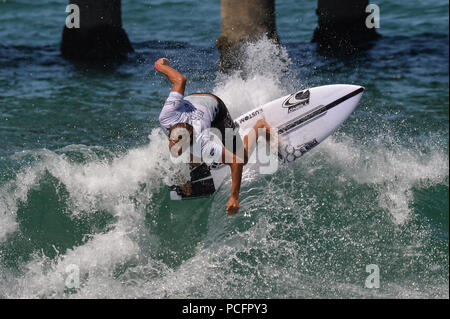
(342, 25)
(243, 21)
(99, 35)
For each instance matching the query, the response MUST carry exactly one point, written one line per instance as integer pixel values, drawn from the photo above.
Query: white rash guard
(178, 110)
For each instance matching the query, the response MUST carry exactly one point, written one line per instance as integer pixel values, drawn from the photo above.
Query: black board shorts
(223, 121)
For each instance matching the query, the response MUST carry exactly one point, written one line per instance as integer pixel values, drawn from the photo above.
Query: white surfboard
(303, 120)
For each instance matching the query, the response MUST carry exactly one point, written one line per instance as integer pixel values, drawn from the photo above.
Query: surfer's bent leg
(260, 127)
(177, 79)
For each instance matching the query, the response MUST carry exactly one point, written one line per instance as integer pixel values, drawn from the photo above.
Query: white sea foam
(114, 186)
(10, 195)
(95, 259)
(264, 78)
(393, 169)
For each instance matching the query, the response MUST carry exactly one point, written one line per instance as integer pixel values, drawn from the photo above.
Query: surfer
(183, 116)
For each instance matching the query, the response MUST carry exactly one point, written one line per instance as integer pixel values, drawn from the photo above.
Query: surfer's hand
(164, 61)
(232, 206)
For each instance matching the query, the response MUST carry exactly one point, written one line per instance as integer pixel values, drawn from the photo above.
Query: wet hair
(179, 130)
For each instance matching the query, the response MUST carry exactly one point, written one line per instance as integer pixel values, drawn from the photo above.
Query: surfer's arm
(236, 177)
(236, 165)
(215, 152)
(177, 79)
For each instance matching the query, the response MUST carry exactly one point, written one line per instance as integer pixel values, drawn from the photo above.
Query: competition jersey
(178, 110)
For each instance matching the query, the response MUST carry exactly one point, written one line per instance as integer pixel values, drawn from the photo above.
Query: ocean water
(84, 167)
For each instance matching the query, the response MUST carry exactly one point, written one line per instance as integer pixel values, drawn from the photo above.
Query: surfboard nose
(356, 90)
(344, 89)
(360, 89)
(356, 87)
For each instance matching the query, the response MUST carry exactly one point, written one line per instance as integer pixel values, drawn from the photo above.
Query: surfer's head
(180, 138)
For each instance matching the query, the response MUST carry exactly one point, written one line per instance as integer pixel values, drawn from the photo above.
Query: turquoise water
(84, 167)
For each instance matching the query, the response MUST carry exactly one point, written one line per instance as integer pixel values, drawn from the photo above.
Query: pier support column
(100, 35)
(243, 21)
(342, 25)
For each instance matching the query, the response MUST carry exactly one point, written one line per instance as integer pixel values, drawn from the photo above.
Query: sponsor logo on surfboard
(250, 116)
(296, 101)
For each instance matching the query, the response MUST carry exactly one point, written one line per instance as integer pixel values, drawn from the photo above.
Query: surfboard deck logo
(296, 100)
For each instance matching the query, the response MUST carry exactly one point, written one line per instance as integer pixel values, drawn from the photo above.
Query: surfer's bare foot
(160, 61)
